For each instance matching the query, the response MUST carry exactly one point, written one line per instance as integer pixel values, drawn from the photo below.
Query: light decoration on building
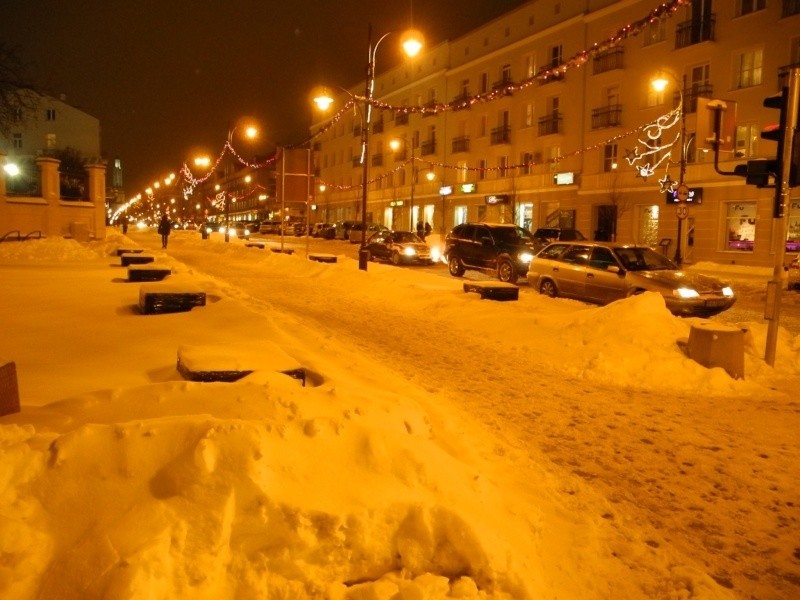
(652, 151)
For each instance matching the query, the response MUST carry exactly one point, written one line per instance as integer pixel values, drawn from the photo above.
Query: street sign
(682, 192)
(682, 211)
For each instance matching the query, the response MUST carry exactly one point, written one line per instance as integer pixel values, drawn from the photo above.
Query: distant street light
(412, 44)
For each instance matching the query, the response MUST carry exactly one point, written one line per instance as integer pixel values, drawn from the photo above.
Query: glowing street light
(412, 43)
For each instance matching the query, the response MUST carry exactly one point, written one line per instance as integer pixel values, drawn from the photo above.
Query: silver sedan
(601, 272)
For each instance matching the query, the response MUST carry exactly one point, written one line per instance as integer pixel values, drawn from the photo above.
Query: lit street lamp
(412, 44)
(660, 85)
(250, 132)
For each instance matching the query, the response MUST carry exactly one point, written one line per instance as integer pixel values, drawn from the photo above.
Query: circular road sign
(682, 210)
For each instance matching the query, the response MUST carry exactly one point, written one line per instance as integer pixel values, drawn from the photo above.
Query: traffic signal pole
(774, 287)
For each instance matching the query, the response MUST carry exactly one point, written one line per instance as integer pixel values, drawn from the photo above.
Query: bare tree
(18, 96)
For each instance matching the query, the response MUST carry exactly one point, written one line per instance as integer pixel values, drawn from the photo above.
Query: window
(527, 163)
(505, 73)
(484, 87)
(749, 68)
(50, 141)
(744, 7)
(527, 117)
(482, 126)
(482, 169)
(463, 171)
(655, 32)
(50, 114)
(609, 158)
(793, 235)
(530, 66)
(17, 141)
(555, 56)
(746, 139)
(740, 222)
(553, 154)
(502, 164)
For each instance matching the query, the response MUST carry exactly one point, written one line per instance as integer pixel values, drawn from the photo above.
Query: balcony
(608, 60)
(607, 116)
(550, 124)
(498, 86)
(401, 119)
(690, 96)
(695, 31)
(553, 76)
(357, 130)
(790, 7)
(377, 160)
(356, 161)
(428, 147)
(430, 105)
(501, 135)
(461, 144)
(461, 101)
(377, 126)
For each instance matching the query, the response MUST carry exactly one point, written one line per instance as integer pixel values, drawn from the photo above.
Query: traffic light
(776, 133)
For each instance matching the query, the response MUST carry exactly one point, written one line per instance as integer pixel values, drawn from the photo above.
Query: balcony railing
(430, 104)
(461, 144)
(499, 85)
(695, 31)
(461, 101)
(501, 135)
(553, 76)
(357, 161)
(377, 126)
(607, 116)
(790, 7)
(550, 124)
(690, 96)
(401, 118)
(357, 131)
(377, 160)
(428, 147)
(608, 60)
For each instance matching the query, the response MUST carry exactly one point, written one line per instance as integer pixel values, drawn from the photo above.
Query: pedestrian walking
(164, 227)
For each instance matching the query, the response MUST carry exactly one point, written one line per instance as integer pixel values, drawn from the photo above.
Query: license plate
(716, 302)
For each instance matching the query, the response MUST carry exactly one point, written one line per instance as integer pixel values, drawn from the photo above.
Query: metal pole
(308, 198)
(283, 192)
(363, 253)
(411, 215)
(682, 172)
(775, 286)
(225, 191)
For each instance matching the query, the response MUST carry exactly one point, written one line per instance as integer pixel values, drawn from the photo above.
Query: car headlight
(686, 293)
(727, 292)
(525, 257)
(247, 232)
(436, 255)
(409, 251)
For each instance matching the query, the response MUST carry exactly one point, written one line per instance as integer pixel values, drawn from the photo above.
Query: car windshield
(643, 259)
(405, 237)
(513, 235)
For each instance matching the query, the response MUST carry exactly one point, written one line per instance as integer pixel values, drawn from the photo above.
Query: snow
(443, 447)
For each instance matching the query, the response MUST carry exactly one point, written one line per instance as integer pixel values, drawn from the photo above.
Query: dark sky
(165, 77)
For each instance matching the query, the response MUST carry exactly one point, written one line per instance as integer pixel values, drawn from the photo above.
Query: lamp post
(660, 85)
(250, 132)
(412, 44)
(395, 145)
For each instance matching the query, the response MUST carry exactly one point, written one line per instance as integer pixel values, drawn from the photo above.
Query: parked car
(601, 272)
(318, 228)
(342, 229)
(502, 250)
(268, 227)
(354, 234)
(548, 235)
(793, 273)
(399, 247)
(239, 229)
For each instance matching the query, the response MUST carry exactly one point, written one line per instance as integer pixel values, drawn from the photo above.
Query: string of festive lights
(544, 75)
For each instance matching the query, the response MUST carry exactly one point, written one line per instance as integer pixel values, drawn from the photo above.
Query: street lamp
(660, 84)
(412, 44)
(250, 132)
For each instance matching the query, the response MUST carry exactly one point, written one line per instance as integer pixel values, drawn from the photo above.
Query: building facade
(547, 116)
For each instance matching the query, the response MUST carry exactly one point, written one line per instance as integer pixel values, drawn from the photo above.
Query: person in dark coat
(427, 230)
(164, 227)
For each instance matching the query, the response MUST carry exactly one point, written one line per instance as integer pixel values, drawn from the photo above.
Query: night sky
(165, 77)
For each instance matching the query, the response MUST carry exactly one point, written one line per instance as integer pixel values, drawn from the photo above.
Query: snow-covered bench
(157, 298)
(493, 290)
(231, 362)
(323, 258)
(131, 258)
(149, 272)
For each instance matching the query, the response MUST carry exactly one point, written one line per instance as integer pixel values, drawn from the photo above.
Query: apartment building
(547, 116)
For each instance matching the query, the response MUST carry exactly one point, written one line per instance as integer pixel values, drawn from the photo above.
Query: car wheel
(396, 259)
(547, 287)
(506, 272)
(455, 266)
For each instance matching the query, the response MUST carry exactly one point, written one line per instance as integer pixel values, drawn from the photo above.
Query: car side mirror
(614, 269)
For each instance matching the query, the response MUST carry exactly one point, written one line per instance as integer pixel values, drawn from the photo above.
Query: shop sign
(497, 199)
